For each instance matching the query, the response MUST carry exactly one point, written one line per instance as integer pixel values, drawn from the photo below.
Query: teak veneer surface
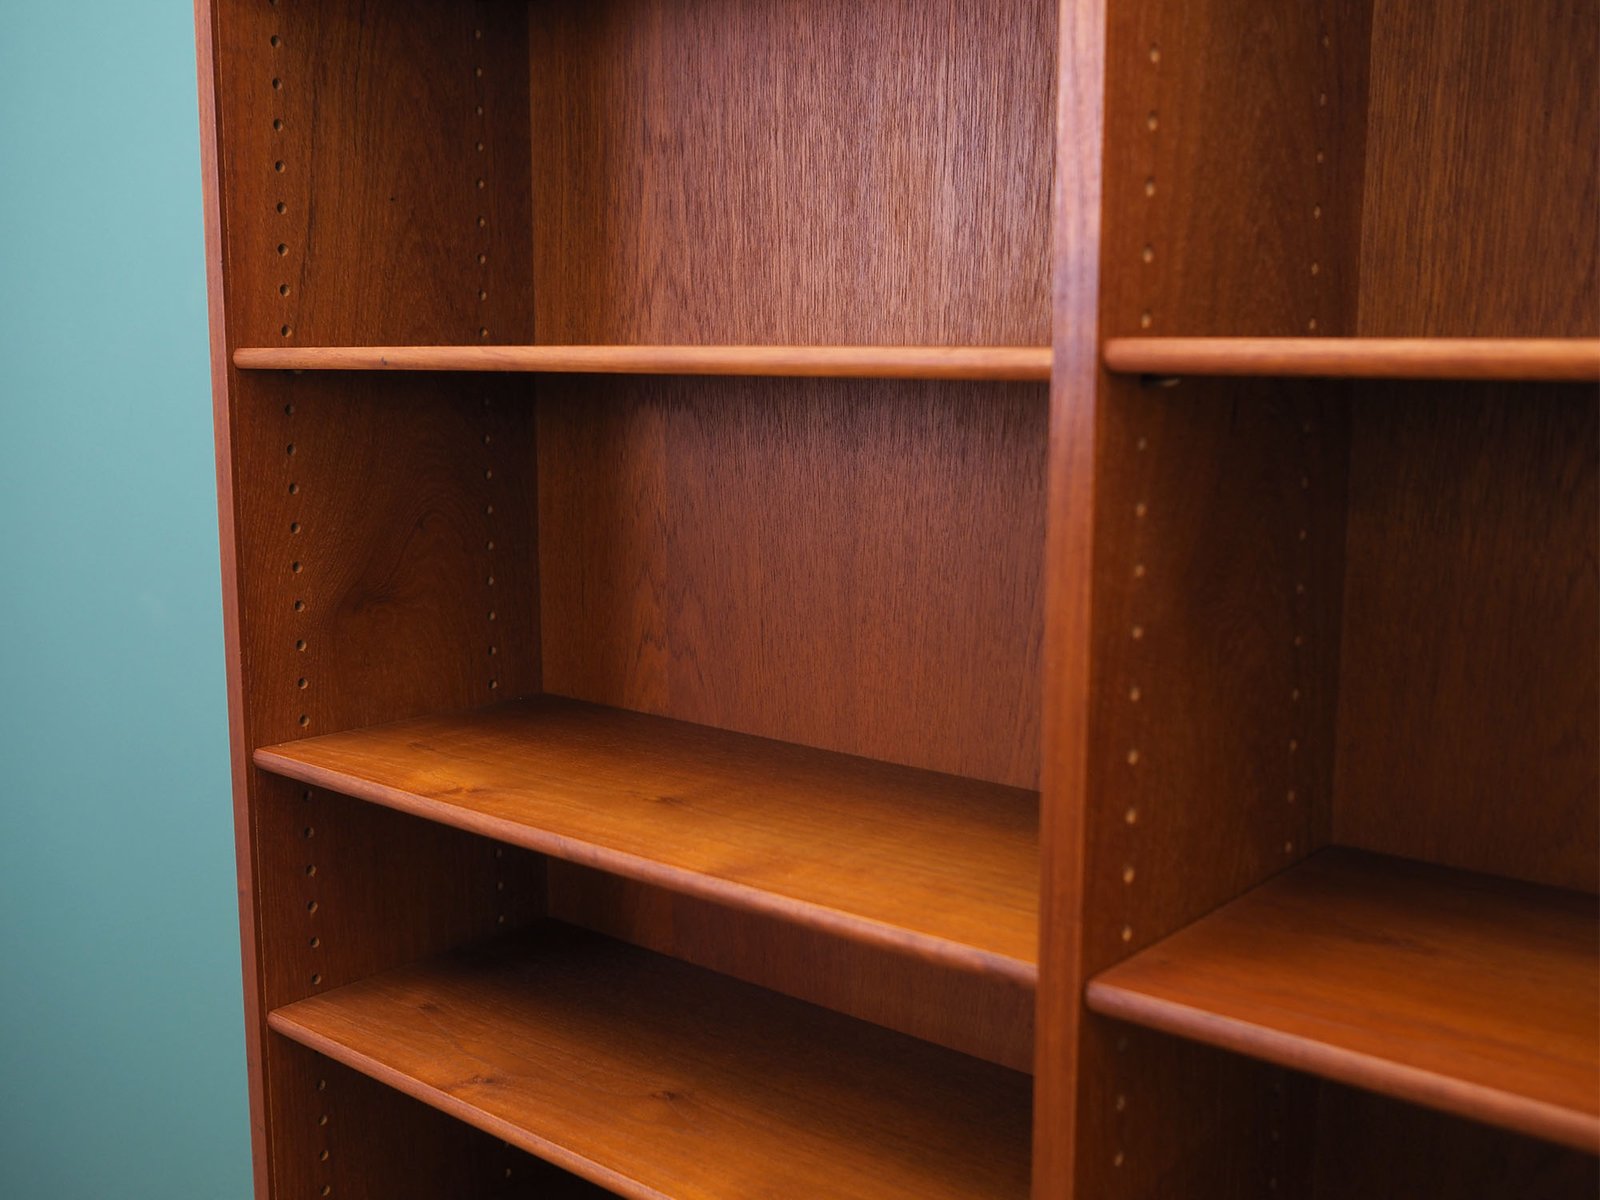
(934, 865)
(1463, 992)
(657, 1079)
(1554, 359)
(1017, 363)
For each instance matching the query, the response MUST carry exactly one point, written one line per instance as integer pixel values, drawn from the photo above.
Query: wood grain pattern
(883, 176)
(656, 1079)
(353, 1151)
(848, 565)
(1470, 695)
(862, 362)
(1233, 166)
(1369, 1147)
(931, 865)
(1569, 359)
(1462, 992)
(987, 1016)
(375, 153)
(1483, 173)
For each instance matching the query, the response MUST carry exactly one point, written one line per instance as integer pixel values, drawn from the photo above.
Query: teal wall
(121, 1029)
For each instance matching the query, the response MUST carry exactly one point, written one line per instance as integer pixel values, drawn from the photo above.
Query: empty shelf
(1026, 363)
(1574, 360)
(658, 1079)
(1463, 992)
(933, 865)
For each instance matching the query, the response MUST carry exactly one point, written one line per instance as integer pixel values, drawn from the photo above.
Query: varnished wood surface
(1483, 171)
(848, 564)
(861, 362)
(932, 865)
(1232, 166)
(1570, 359)
(791, 171)
(1461, 992)
(660, 1080)
(1469, 697)
(987, 1016)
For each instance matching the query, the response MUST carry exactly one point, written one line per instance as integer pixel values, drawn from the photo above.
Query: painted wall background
(121, 1027)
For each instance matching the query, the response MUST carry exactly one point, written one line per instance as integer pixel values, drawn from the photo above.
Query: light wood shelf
(931, 865)
(656, 1079)
(1464, 992)
(1014, 363)
(1575, 360)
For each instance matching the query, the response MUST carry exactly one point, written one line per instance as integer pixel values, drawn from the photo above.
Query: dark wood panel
(375, 171)
(1483, 174)
(1369, 1147)
(387, 561)
(1463, 992)
(1233, 159)
(1027, 363)
(986, 1016)
(792, 171)
(935, 866)
(659, 1079)
(1561, 359)
(1470, 700)
(847, 565)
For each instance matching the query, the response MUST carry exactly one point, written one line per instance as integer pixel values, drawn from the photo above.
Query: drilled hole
(1155, 53)
(1152, 122)
(311, 869)
(1131, 816)
(1127, 874)
(493, 650)
(299, 643)
(1148, 254)
(1150, 186)
(296, 567)
(304, 720)
(323, 1157)
(315, 979)
(283, 289)
(294, 489)
(482, 295)
(1133, 758)
(285, 330)
(277, 124)
(302, 683)
(1134, 694)
(273, 40)
(1127, 933)
(310, 831)
(294, 526)
(494, 684)
(483, 258)
(280, 166)
(277, 84)
(1141, 509)
(1137, 632)
(299, 606)
(1146, 319)
(282, 207)
(311, 906)
(282, 248)
(315, 943)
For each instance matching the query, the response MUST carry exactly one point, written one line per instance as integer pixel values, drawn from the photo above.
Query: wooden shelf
(932, 865)
(658, 1079)
(1575, 360)
(1463, 992)
(1022, 363)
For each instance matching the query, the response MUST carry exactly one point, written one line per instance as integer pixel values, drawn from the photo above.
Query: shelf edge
(1016, 364)
(1462, 1098)
(1549, 360)
(866, 930)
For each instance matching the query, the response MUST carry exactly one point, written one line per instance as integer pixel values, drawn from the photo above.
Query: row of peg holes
(280, 167)
(482, 183)
(1152, 123)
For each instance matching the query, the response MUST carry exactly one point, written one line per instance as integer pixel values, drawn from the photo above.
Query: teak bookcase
(858, 598)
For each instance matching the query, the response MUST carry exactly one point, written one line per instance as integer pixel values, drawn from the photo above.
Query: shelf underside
(1574, 360)
(936, 866)
(654, 1078)
(1462, 992)
(1018, 363)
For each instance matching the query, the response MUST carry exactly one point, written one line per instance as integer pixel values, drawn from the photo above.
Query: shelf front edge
(1026, 364)
(1551, 360)
(930, 948)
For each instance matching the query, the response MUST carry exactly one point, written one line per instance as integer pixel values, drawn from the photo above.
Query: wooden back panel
(1483, 170)
(851, 565)
(791, 171)
(1470, 692)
